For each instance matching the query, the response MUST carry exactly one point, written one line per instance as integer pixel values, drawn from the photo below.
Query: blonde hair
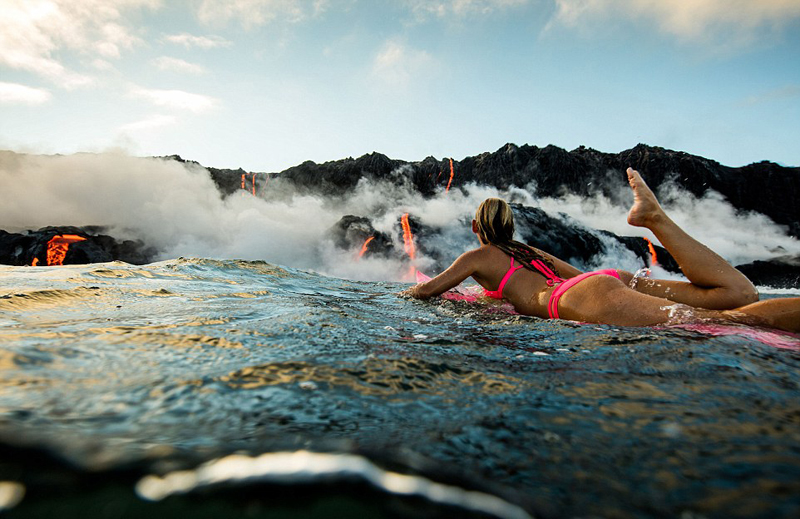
(494, 221)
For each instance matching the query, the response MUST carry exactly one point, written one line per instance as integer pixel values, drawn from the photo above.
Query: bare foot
(645, 210)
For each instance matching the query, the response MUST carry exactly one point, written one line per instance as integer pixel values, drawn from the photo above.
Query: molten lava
(243, 181)
(408, 237)
(364, 247)
(254, 184)
(57, 248)
(451, 177)
(653, 255)
(408, 241)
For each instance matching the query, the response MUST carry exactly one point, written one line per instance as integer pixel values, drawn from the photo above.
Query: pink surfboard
(459, 293)
(775, 338)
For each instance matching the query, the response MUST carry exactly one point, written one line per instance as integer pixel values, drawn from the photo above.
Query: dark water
(342, 399)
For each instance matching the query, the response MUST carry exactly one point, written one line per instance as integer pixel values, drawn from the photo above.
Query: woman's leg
(606, 300)
(782, 313)
(713, 282)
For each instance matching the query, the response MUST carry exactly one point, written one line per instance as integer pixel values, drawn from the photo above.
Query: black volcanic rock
(764, 187)
(572, 243)
(777, 273)
(641, 248)
(16, 249)
(426, 239)
(560, 236)
(341, 176)
(352, 232)
(21, 249)
(227, 181)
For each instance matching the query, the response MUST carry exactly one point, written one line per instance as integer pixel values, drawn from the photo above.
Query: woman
(541, 285)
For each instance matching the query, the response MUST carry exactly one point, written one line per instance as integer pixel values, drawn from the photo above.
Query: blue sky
(267, 84)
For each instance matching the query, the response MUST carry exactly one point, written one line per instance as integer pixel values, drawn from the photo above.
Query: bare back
(526, 290)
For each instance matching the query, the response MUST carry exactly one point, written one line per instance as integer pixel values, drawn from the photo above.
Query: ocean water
(214, 388)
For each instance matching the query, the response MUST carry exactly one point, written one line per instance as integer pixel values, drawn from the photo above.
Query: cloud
(13, 93)
(203, 42)
(460, 8)
(398, 64)
(101, 64)
(320, 6)
(176, 99)
(254, 13)
(686, 20)
(150, 123)
(36, 34)
(178, 65)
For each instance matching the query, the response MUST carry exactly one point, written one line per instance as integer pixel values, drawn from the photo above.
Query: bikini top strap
(552, 279)
(509, 272)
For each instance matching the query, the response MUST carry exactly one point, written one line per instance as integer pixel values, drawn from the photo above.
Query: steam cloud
(176, 208)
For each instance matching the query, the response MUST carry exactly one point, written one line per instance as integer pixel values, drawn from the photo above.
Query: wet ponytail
(495, 224)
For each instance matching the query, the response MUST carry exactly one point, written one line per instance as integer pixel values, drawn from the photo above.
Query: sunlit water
(165, 366)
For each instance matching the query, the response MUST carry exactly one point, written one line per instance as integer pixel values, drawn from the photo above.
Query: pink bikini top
(552, 279)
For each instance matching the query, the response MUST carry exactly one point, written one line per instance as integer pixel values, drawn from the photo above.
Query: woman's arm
(462, 268)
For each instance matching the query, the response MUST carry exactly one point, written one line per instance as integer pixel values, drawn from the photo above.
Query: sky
(268, 84)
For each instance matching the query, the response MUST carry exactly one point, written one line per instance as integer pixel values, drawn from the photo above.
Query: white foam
(309, 467)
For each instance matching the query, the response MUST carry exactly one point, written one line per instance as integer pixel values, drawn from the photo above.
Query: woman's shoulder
(484, 255)
(488, 251)
(475, 256)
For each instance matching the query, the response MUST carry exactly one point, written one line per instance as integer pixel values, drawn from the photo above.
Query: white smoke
(171, 206)
(739, 237)
(177, 209)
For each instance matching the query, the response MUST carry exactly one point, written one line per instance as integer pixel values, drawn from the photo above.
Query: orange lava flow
(364, 247)
(408, 241)
(254, 184)
(408, 237)
(451, 177)
(58, 246)
(35, 262)
(243, 181)
(653, 255)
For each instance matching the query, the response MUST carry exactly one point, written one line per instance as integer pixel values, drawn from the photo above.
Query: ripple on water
(24, 301)
(223, 356)
(375, 376)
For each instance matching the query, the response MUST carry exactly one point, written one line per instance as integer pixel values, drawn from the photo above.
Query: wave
(180, 364)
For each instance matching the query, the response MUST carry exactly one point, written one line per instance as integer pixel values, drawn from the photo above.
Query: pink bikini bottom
(552, 305)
